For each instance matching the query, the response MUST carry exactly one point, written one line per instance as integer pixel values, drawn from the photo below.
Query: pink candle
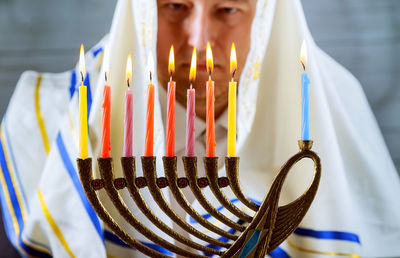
(128, 123)
(105, 135)
(190, 117)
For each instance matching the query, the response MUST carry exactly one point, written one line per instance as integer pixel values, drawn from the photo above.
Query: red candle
(149, 140)
(170, 135)
(105, 135)
(128, 121)
(210, 129)
(191, 110)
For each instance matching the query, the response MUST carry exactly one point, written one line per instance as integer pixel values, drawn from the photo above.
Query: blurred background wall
(362, 35)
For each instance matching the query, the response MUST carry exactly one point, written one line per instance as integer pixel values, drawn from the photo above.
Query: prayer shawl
(355, 212)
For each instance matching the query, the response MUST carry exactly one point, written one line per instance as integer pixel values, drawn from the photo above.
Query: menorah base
(269, 227)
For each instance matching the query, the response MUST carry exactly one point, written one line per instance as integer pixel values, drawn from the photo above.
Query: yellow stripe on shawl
(39, 116)
(72, 128)
(53, 225)
(306, 250)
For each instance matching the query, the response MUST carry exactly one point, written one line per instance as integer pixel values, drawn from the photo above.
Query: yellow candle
(232, 120)
(232, 108)
(83, 126)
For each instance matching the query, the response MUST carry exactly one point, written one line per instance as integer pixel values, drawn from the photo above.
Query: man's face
(186, 24)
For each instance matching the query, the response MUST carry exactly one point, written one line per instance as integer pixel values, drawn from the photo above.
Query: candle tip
(82, 67)
(233, 64)
(106, 62)
(303, 54)
(210, 65)
(192, 73)
(129, 69)
(171, 62)
(150, 64)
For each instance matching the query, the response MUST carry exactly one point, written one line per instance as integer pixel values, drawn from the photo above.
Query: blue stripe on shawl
(279, 253)
(109, 236)
(89, 94)
(7, 218)
(319, 234)
(17, 175)
(10, 186)
(77, 183)
(17, 210)
(331, 235)
(72, 84)
(97, 51)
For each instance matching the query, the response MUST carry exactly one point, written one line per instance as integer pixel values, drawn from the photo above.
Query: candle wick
(128, 83)
(191, 85)
(209, 75)
(151, 77)
(302, 64)
(233, 74)
(82, 76)
(105, 76)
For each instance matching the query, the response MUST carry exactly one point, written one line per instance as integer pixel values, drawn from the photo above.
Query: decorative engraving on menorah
(261, 234)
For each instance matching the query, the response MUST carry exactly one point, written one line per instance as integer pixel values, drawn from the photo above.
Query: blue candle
(305, 125)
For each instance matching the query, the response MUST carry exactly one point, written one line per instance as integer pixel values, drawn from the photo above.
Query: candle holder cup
(257, 235)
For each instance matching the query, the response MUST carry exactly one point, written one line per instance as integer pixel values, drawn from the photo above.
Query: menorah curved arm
(85, 173)
(173, 181)
(292, 213)
(128, 167)
(190, 164)
(105, 167)
(232, 172)
(211, 167)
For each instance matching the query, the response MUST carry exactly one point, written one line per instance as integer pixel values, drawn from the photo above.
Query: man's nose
(198, 30)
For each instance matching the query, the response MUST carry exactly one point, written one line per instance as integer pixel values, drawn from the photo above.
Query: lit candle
(83, 126)
(128, 120)
(191, 109)
(105, 136)
(232, 107)
(210, 129)
(149, 140)
(170, 135)
(305, 81)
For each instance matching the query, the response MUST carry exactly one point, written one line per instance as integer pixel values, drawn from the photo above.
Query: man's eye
(177, 7)
(228, 10)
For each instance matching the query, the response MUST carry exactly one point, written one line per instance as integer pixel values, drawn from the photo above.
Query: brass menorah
(266, 230)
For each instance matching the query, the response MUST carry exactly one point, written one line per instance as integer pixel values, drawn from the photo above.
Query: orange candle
(105, 136)
(170, 135)
(149, 140)
(210, 130)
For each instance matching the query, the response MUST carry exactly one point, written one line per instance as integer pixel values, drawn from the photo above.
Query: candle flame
(129, 69)
(192, 73)
(150, 65)
(171, 63)
(303, 54)
(210, 65)
(82, 67)
(233, 65)
(106, 62)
